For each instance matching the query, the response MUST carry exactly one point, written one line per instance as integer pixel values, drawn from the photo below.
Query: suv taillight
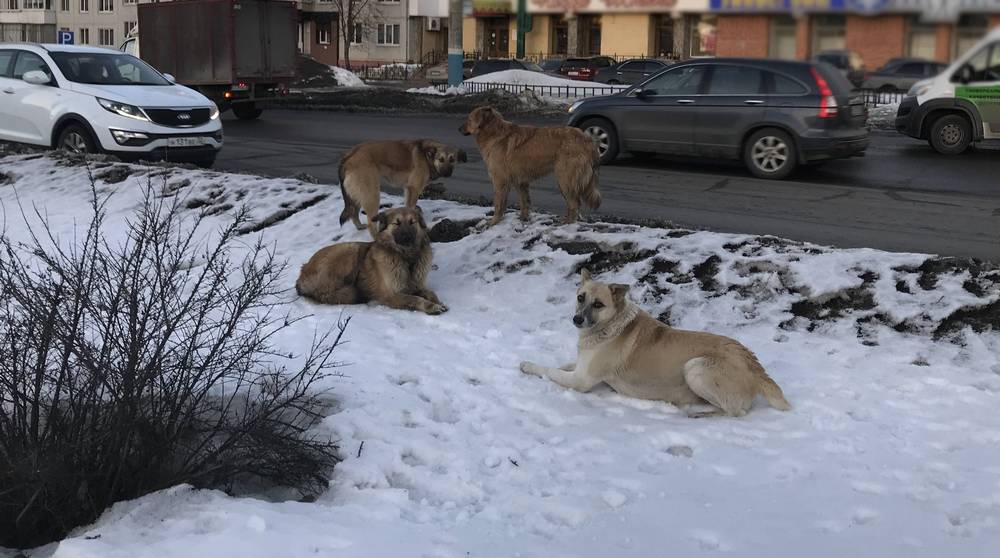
(827, 103)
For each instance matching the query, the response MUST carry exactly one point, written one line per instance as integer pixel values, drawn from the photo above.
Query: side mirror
(170, 78)
(36, 77)
(643, 94)
(963, 75)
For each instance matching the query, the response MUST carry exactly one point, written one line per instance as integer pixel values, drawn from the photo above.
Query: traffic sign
(65, 37)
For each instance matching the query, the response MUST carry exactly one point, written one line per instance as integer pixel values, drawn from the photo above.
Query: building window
(127, 28)
(83, 37)
(84, 5)
(782, 44)
(388, 34)
(828, 33)
(703, 35)
(922, 40)
(388, 1)
(128, 1)
(323, 34)
(590, 26)
(664, 38)
(33, 4)
(106, 37)
(560, 35)
(64, 5)
(357, 34)
(11, 4)
(106, 5)
(970, 30)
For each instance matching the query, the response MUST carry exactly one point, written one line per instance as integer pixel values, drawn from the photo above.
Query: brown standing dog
(517, 155)
(639, 356)
(408, 164)
(391, 271)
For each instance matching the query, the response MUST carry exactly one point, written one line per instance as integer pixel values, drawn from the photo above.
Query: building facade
(682, 29)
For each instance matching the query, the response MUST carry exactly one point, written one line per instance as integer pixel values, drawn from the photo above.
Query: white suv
(92, 100)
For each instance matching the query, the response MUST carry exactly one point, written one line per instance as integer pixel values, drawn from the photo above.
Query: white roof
(61, 48)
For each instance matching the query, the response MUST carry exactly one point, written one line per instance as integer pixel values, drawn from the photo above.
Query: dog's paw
(529, 368)
(483, 225)
(435, 309)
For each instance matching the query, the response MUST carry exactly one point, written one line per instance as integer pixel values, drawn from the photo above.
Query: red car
(585, 69)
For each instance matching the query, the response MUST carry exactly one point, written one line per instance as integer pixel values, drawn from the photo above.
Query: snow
(526, 77)
(890, 449)
(347, 78)
(883, 117)
(432, 90)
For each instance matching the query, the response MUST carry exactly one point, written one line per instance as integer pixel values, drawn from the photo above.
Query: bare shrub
(128, 366)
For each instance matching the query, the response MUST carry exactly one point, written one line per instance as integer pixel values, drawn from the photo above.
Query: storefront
(876, 29)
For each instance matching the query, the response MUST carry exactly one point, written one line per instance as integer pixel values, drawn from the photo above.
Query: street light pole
(455, 42)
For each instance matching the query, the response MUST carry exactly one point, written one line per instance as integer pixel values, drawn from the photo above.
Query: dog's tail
(591, 195)
(770, 390)
(349, 204)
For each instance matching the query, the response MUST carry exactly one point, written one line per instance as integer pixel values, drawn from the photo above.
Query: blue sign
(65, 37)
(859, 6)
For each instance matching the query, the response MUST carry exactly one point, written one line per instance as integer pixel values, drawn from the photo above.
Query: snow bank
(525, 77)
(347, 78)
(883, 117)
(890, 448)
(432, 90)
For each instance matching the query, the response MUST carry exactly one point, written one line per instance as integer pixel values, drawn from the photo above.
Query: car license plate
(186, 142)
(574, 73)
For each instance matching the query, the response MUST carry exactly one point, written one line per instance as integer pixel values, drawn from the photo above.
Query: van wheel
(770, 153)
(246, 111)
(604, 136)
(951, 134)
(76, 139)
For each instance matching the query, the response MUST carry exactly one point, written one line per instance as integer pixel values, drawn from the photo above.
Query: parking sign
(65, 37)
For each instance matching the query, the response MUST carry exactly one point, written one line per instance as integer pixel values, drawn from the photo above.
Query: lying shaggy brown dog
(517, 155)
(391, 271)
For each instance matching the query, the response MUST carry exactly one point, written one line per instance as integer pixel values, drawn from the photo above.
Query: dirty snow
(434, 90)
(526, 77)
(883, 117)
(890, 449)
(347, 78)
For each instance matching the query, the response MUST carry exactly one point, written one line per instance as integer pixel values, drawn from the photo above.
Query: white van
(960, 105)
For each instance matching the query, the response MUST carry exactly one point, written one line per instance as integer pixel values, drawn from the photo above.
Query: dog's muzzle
(445, 172)
(404, 238)
(578, 320)
(463, 130)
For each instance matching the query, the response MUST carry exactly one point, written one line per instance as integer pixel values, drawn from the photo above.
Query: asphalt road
(901, 197)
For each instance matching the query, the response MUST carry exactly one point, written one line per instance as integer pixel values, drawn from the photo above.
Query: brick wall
(942, 47)
(803, 38)
(743, 35)
(876, 39)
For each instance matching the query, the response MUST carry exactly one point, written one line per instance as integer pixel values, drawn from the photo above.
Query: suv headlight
(123, 109)
(918, 89)
(214, 114)
(574, 106)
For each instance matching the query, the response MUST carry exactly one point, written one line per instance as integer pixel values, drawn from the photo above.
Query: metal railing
(875, 98)
(386, 72)
(542, 56)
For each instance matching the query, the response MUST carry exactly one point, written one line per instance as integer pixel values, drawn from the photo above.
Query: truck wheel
(246, 111)
(770, 153)
(605, 138)
(76, 139)
(951, 134)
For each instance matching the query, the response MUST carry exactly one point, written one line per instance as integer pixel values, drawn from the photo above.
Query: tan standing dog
(638, 356)
(408, 164)
(391, 271)
(516, 156)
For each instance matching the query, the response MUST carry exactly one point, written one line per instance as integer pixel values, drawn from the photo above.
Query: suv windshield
(106, 69)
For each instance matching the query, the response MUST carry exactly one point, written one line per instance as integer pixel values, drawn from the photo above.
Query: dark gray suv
(774, 115)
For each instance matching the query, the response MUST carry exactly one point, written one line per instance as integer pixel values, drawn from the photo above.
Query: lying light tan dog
(409, 164)
(639, 356)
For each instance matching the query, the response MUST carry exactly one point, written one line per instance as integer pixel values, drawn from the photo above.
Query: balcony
(428, 8)
(33, 16)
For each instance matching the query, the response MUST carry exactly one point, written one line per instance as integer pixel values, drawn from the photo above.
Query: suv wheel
(246, 111)
(76, 139)
(770, 153)
(604, 136)
(951, 134)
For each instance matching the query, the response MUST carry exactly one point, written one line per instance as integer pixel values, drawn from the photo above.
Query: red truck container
(239, 53)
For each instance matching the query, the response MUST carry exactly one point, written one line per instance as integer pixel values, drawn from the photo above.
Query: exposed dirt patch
(391, 100)
(6, 178)
(575, 247)
(979, 318)
(114, 175)
(281, 215)
(980, 272)
(705, 273)
(447, 230)
(817, 310)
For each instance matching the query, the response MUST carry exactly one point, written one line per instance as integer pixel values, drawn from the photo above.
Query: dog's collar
(612, 329)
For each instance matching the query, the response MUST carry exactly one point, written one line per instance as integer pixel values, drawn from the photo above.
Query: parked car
(552, 65)
(773, 115)
(90, 100)
(899, 74)
(630, 72)
(848, 62)
(438, 73)
(585, 68)
(490, 65)
(958, 106)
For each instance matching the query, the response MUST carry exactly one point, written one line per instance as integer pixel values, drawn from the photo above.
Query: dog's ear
(420, 217)
(461, 156)
(430, 150)
(383, 221)
(618, 291)
(585, 275)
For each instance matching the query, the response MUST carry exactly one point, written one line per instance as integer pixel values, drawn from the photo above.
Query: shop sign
(929, 9)
(609, 6)
(492, 7)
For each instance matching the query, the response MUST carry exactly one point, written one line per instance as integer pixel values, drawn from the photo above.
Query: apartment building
(92, 22)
